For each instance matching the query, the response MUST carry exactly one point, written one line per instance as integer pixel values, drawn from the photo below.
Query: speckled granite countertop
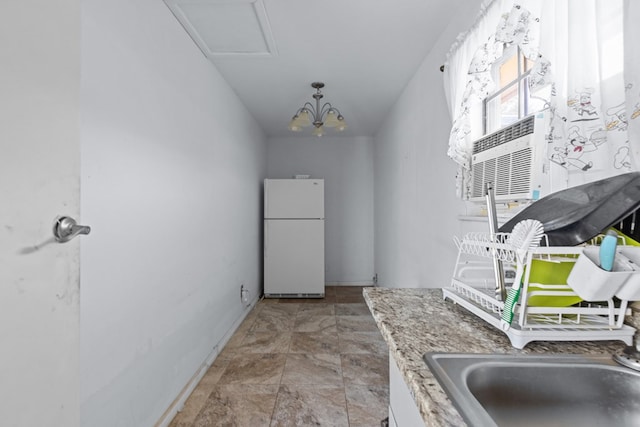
(415, 321)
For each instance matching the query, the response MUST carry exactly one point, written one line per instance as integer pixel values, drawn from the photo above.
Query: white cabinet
(403, 411)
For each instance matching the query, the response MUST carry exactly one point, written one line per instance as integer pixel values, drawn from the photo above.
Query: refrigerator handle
(266, 197)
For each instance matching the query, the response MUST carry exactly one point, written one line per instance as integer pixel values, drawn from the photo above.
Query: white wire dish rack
(473, 287)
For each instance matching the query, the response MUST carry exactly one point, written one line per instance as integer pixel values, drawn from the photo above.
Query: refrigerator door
(293, 198)
(294, 258)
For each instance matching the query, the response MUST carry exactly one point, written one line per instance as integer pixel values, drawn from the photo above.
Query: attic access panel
(224, 28)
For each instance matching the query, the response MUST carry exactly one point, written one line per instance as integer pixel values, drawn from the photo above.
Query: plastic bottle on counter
(608, 250)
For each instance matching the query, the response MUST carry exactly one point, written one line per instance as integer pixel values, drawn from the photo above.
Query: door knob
(66, 228)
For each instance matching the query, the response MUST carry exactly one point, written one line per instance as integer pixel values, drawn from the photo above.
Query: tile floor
(297, 362)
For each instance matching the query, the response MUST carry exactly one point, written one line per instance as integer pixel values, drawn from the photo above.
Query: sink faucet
(629, 357)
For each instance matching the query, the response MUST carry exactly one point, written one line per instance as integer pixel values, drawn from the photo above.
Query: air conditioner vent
(501, 183)
(509, 173)
(477, 181)
(514, 131)
(521, 171)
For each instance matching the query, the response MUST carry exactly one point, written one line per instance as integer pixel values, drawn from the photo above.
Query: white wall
(346, 164)
(39, 180)
(415, 204)
(172, 169)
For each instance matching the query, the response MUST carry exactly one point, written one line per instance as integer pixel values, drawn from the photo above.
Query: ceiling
(270, 51)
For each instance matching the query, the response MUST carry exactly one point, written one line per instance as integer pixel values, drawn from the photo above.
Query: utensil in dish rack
(525, 235)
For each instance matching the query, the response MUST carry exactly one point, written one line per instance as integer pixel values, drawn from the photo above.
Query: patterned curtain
(582, 73)
(632, 77)
(465, 90)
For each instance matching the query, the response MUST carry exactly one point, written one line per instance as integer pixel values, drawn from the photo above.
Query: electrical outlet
(244, 295)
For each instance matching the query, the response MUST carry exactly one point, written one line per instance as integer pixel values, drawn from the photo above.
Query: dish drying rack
(473, 287)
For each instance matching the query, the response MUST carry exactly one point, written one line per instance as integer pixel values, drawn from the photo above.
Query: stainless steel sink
(527, 390)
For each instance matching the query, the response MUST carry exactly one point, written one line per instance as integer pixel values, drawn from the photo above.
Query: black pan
(578, 214)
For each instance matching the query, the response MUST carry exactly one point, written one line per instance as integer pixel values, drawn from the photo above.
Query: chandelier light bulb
(293, 126)
(304, 119)
(331, 120)
(318, 131)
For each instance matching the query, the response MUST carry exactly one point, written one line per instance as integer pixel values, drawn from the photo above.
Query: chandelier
(320, 117)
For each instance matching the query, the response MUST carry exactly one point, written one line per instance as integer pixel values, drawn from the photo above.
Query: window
(584, 72)
(511, 100)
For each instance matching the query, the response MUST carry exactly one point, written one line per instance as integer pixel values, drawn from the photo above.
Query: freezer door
(293, 198)
(294, 258)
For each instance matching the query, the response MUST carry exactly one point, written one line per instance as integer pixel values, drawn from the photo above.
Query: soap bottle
(608, 250)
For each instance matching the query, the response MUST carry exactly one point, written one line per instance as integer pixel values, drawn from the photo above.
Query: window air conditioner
(515, 160)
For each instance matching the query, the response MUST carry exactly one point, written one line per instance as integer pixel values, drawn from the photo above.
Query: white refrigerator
(294, 238)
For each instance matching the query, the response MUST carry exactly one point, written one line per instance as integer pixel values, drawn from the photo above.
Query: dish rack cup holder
(473, 287)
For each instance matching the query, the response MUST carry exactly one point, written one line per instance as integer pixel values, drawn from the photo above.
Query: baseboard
(368, 283)
(178, 403)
